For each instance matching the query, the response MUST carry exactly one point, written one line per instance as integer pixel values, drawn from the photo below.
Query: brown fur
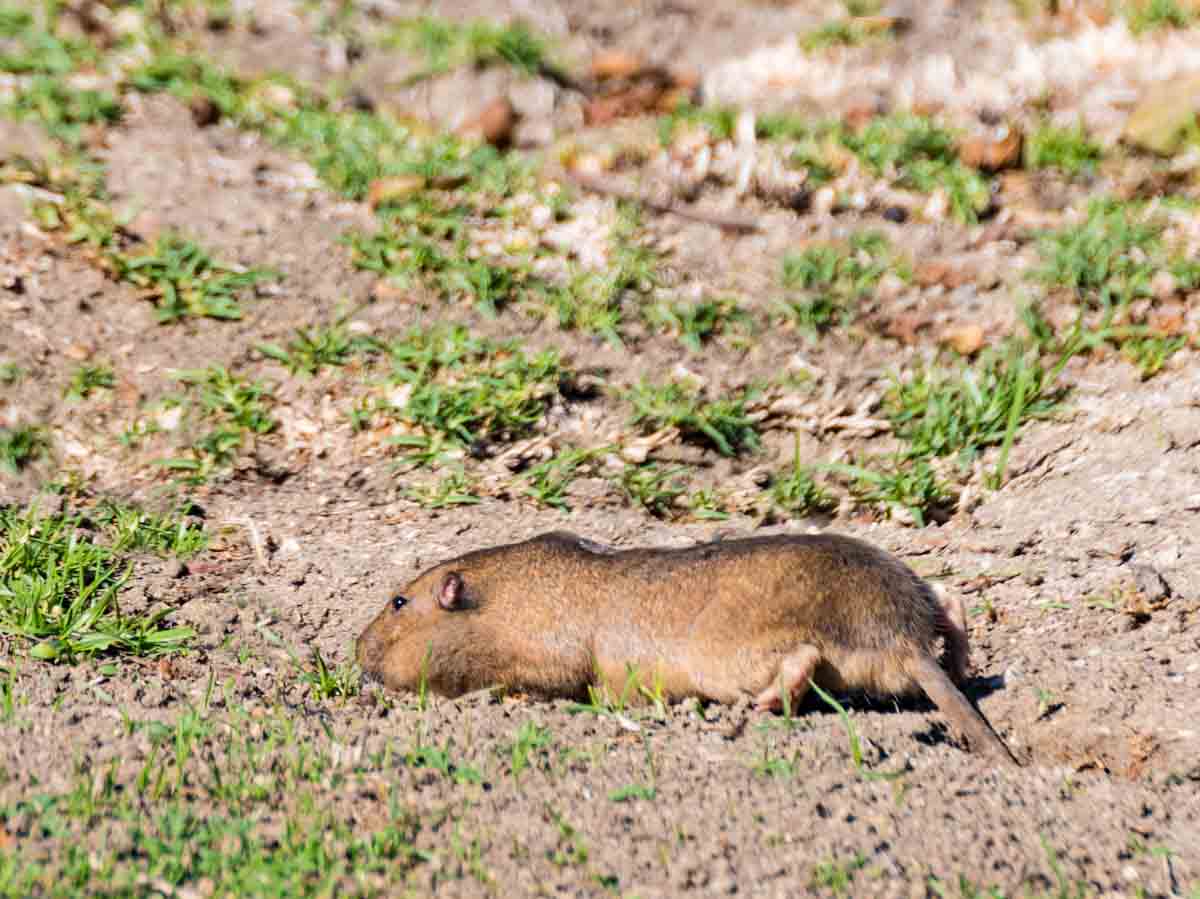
(752, 618)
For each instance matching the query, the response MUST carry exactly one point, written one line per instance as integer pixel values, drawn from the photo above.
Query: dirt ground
(1080, 570)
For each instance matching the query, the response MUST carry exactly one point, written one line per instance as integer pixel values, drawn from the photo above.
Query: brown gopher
(737, 618)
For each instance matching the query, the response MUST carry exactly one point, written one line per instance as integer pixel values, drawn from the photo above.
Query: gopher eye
(399, 602)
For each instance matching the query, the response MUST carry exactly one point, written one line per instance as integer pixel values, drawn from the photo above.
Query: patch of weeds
(919, 154)
(838, 876)
(438, 759)
(531, 738)
(1148, 350)
(633, 792)
(1108, 259)
(447, 45)
(832, 281)
(771, 765)
(342, 682)
(707, 505)
(653, 487)
(468, 392)
(133, 529)
(590, 300)
(235, 409)
(1147, 15)
(960, 413)
(410, 256)
(185, 281)
(696, 323)
(856, 755)
(718, 121)
(138, 431)
(349, 149)
(604, 700)
(64, 110)
(838, 33)
(87, 379)
(315, 348)
(32, 47)
(797, 493)
(59, 588)
(452, 489)
(722, 423)
(195, 815)
(20, 446)
(911, 485)
(11, 373)
(547, 482)
(1069, 150)
(572, 848)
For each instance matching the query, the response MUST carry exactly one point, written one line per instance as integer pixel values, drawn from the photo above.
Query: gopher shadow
(974, 689)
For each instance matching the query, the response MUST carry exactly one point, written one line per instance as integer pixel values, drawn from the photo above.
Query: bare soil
(1080, 571)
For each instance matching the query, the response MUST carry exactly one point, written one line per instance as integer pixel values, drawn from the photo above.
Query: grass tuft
(59, 589)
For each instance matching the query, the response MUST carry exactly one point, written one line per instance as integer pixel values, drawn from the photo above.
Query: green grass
(654, 487)
(20, 446)
(229, 409)
(899, 483)
(838, 33)
(1108, 259)
(453, 489)
(446, 45)
(29, 44)
(590, 300)
(547, 482)
(199, 815)
(325, 683)
(795, 492)
(63, 110)
(469, 393)
(960, 412)
(348, 148)
(313, 349)
(184, 281)
(722, 423)
(919, 154)
(59, 590)
(696, 323)
(838, 877)
(529, 742)
(1149, 15)
(826, 283)
(87, 379)
(11, 373)
(133, 529)
(1069, 150)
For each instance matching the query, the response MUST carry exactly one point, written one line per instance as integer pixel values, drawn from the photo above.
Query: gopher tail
(954, 705)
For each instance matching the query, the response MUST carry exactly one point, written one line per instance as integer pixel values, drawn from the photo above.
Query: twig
(730, 220)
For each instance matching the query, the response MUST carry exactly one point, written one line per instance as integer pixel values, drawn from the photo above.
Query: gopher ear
(452, 595)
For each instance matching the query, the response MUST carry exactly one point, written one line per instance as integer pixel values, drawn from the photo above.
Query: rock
(937, 271)
(393, 189)
(1157, 124)
(616, 64)
(204, 111)
(965, 340)
(639, 99)
(493, 124)
(993, 152)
